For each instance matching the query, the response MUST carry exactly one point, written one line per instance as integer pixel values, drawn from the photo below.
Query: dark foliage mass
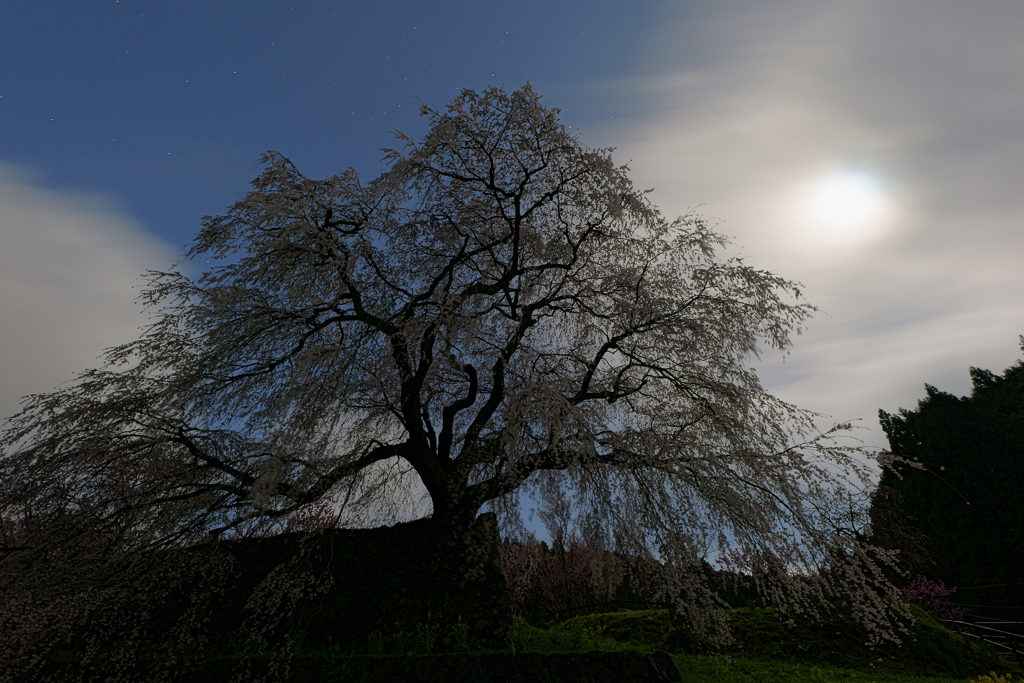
(953, 500)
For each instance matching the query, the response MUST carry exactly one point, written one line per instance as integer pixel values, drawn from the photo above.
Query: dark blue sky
(166, 106)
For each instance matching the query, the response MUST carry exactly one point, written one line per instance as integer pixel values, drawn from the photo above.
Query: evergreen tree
(958, 476)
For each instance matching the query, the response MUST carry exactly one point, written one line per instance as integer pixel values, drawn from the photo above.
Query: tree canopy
(499, 314)
(961, 478)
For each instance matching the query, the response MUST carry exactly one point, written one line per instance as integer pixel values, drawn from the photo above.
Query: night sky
(872, 150)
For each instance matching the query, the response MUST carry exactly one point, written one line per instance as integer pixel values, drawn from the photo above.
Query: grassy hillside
(766, 648)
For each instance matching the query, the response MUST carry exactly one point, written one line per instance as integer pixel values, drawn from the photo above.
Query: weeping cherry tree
(499, 317)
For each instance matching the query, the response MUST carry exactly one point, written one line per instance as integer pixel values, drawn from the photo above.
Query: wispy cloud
(68, 265)
(746, 107)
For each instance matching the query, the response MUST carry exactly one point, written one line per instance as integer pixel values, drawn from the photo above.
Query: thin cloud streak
(68, 265)
(928, 97)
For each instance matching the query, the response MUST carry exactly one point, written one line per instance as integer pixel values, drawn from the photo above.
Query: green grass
(767, 649)
(705, 669)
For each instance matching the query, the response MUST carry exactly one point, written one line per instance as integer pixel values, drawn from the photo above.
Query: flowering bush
(993, 677)
(933, 596)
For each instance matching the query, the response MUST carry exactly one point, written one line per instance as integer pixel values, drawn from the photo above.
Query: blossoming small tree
(933, 596)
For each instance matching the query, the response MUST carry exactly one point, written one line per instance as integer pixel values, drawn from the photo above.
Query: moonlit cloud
(68, 265)
(910, 114)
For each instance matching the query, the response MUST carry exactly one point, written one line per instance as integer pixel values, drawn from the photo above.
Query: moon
(847, 199)
(842, 207)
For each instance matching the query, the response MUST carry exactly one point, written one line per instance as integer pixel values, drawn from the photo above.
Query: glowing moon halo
(846, 199)
(840, 207)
